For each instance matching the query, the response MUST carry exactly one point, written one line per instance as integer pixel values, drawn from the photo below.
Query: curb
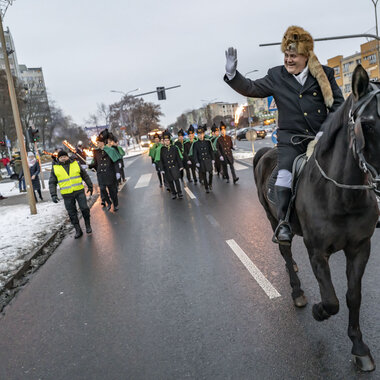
(11, 286)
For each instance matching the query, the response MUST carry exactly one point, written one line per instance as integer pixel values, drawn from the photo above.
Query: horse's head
(365, 123)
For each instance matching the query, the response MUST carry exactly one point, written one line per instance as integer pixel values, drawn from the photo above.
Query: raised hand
(231, 62)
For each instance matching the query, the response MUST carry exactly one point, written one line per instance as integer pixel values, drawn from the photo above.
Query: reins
(357, 144)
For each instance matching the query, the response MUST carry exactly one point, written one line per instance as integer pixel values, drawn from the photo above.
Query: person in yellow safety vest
(69, 176)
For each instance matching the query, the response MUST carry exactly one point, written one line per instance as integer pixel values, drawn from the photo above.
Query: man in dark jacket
(214, 139)
(203, 153)
(189, 153)
(224, 147)
(68, 175)
(106, 172)
(304, 91)
(180, 143)
(170, 162)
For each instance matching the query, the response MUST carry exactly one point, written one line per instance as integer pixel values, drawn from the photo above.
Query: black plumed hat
(191, 129)
(181, 132)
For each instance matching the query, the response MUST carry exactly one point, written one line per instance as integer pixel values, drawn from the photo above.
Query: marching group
(202, 154)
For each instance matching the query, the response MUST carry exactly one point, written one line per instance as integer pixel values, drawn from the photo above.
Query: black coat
(187, 147)
(224, 147)
(203, 155)
(170, 162)
(105, 168)
(35, 170)
(301, 109)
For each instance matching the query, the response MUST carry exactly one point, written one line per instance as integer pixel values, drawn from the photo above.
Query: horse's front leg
(330, 304)
(299, 299)
(357, 258)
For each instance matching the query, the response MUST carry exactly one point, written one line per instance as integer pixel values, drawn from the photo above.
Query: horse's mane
(333, 124)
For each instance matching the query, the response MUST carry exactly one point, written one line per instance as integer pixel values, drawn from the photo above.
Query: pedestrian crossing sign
(272, 106)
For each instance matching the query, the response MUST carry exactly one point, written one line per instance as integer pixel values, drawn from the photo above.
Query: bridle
(357, 143)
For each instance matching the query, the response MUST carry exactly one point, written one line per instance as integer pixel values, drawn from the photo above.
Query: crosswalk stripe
(239, 166)
(253, 270)
(143, 180)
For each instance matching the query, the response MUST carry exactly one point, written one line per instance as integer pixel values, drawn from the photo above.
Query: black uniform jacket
(53, 180)
(301, 109)
(181, 147)
(203, 155)
(105, 168)
(170, 162)
(224, 147)
(187, 147)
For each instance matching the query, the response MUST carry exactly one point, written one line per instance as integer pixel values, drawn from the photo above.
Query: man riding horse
(305, 92)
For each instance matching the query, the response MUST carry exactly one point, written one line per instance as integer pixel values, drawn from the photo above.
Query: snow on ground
(23, 232)
(9, 189)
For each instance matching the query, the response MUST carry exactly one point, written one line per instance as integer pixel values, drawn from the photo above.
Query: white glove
(213, 162)
(221, 158)
(118, 176)
(154, 165)
(197, 164)
(180, 168)
(231, 62)
(162, 172)
(189, 162)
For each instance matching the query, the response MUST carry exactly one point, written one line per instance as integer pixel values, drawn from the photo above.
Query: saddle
(297, 168)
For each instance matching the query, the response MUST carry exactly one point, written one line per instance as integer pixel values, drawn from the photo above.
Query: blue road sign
(274, 137)
(8, 143)
(272, 106)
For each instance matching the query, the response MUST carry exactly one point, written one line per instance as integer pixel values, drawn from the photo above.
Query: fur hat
(191, 129)
(299, 40)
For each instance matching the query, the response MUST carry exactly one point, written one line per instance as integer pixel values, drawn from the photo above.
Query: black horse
(335, 207)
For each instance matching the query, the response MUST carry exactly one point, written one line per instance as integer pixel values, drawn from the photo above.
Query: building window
(347, 88)
(371, 58)
(346, 66)
(358, 61)
(337, 70)
(338, 77)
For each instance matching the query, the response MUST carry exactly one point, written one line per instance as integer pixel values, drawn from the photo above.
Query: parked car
(240, 134)
(261, 132)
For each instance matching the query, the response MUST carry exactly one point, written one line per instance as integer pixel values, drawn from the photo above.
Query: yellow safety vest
(68, 182)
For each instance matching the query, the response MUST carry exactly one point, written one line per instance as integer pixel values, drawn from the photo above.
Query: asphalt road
(157, 292)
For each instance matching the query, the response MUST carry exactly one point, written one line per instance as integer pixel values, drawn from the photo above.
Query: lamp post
(249, 112)
(4, 4)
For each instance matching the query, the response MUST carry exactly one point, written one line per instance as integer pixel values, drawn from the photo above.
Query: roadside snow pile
(9, 189)
(242, 155)
(23, 232)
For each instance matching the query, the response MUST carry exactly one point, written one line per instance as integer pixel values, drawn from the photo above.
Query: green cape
(112, 153)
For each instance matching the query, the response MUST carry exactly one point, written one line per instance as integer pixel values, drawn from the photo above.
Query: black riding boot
(283, 234)
(88, 225)
(78, 231)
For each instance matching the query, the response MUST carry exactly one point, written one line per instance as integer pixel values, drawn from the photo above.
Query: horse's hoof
(300, 301)
(319, 313)
(365, 363)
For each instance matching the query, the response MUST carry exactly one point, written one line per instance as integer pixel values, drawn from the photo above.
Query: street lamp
(249, 112)
(4, 4)
(125, 93)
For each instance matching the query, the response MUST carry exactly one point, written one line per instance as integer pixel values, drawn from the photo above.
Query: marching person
(169, 159)
(224, 146)
(68, 175)
(188, 153)
(180, 143)
(214, 139)
(305, 92)
(119, 163)
(106, 172)
(152, 154)
(203, 153)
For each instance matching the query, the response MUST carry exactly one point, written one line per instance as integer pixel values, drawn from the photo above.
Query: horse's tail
(258, 155)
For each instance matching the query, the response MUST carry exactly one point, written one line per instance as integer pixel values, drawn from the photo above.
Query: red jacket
(5, 161)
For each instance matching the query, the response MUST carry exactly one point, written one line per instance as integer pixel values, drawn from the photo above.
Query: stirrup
(282, 242)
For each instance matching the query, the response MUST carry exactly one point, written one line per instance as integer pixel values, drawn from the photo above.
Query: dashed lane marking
(212, 220)
(143, 181)
(189, 192)
(253, 270)
(240, 166)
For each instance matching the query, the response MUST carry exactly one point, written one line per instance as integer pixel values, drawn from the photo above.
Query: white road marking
(189, 192)
(212, 220)
(255, 272)
(143, 181)
(239, 166)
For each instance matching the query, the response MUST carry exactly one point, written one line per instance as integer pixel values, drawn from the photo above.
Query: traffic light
(33, 134)
(161, 93)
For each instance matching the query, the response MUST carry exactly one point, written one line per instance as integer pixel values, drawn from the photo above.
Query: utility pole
(375, 5)
(16, 114)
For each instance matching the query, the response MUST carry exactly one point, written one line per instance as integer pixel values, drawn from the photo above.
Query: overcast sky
(89, 47)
